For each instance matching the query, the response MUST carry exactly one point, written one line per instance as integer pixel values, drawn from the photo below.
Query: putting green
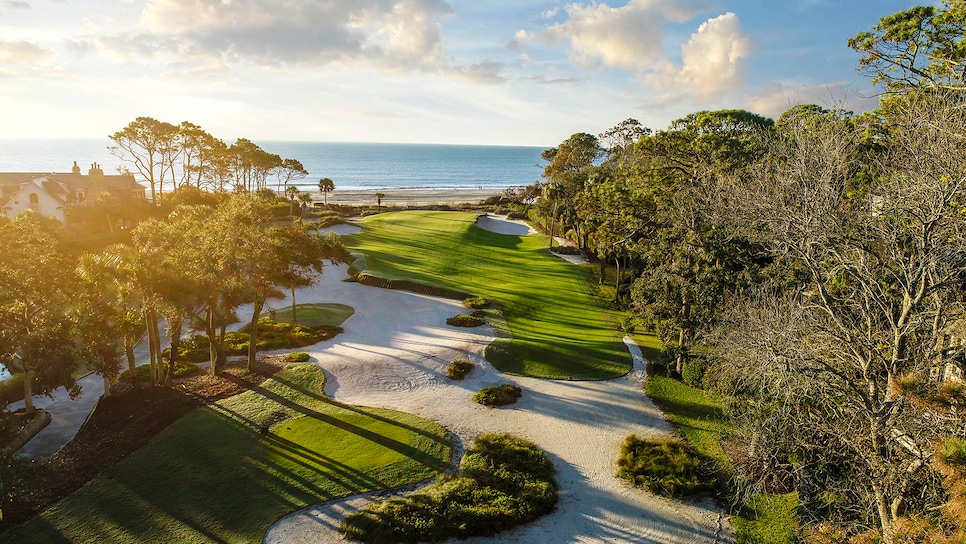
(558, 330)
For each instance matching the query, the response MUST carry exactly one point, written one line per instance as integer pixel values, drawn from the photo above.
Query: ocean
(351, 166)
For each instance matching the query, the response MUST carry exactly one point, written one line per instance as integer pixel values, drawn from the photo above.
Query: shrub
(182, 368)
(459, 369)
(476, 303)
(668, 467)
(498, 395)
(566, 250)
(693, 371)
(297, 357)
(464, 321)
(11, 390)
(505, 481)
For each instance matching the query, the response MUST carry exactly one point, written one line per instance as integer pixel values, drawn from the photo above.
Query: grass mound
(505, 481)
(668, 467)
(297, 357)
(464, 321)
(271, 335)
(498, 395)
(459, 369)
(215, 477)
(321, 314)
(476, 303)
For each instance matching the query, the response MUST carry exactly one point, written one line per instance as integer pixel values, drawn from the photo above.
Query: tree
(288, 170)
(690, 259)
(326, 186)
(203, 157)
(292, 193)
(153, 147)
(921, 47)
(835, 361)
(379, 197)
(569, 166)
(36, 285)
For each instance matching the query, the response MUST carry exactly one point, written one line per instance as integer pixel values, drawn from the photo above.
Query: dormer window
(34, 202)
(79, 196)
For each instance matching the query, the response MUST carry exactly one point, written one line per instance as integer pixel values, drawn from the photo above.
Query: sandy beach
(410, 197)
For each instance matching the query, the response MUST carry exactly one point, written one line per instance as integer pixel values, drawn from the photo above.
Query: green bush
(476, 303)
(297, 357)
(464, 321)
(11, 390)
(693, 371)
(459, 369)
(566, 250)
(505, 481)
(669, 467)
(271, 336)
(182, 368)
(498, 395)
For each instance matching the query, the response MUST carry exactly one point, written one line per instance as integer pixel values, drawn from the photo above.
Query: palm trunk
(212, 339)
(617, 281)
(131, 360)
(28, 392)
(174, 333)
(108, 387)
(253, 333)
(683, 339)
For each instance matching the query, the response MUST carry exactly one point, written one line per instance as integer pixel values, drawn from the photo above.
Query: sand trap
(501, 225)
(394, 353)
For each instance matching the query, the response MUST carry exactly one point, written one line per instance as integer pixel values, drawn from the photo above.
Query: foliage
(667, 467)
(182, 369)
(498, 395)
(315, 450)
(297, 357)
(515, 271)
(11, 390)
(922, 47)
(464, 321)
(273, 336)
(459, 369)
(476, 303)
(505, 481)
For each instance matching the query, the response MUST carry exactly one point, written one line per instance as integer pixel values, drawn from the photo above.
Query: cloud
(631, 37)
(13, 5)
(712, 57)
(775, 98)
(24, 53)
(396, 33)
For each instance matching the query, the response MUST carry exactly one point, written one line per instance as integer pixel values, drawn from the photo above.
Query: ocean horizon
(352, 166)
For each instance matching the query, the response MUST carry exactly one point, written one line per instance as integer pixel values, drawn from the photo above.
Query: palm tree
(292, 193)
(306, 199)
(325, 186)
(379, 197)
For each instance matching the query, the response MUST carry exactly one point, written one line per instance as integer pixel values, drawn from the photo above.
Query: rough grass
(669, 467)
(464, 321)
(557, 329)
(459, 369)
(498, 395)
(765, 519)
(505, 481)
(214, 476)
(314, 315)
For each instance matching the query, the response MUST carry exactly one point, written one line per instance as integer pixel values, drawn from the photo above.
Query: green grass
(212, 476)
(766, 519)
(315, 315)
(558, 330)
(504, 481)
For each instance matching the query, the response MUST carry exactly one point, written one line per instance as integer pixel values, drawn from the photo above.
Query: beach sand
(410, 197)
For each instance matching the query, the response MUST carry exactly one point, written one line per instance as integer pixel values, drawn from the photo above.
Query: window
(34, 202)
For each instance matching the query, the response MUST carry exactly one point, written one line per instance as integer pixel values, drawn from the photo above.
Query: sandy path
(394, 353)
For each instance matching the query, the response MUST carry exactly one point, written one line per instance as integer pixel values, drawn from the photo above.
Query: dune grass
(764, 519)
(315, 315)
(213, 475)
(558, 330)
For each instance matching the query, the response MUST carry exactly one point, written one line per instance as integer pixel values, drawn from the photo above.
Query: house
(54, 195)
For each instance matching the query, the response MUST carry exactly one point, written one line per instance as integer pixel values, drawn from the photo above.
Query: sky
(500, 72)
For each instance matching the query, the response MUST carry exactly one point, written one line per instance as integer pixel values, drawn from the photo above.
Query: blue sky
(430, 71)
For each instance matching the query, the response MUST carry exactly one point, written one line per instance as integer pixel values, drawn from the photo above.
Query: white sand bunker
(500, 224)
(394, 354)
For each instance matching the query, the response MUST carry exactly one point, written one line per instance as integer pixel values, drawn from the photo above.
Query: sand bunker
(501, 225)
(394, 353)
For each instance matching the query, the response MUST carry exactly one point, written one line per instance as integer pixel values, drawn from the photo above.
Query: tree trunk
(294, 318)
(149, 316)
(683, 339)
(886, 522)
(174, 333)
(212, 339)
(253, 332)
(156, 369)
(108, 387)
(553, 220)
(617, 280)
(131, 360)
(28, 392)
(603, 271)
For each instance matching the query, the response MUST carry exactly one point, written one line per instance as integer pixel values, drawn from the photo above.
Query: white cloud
(631, 37)
(24, 53)
(712, 58)
(775, 98)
